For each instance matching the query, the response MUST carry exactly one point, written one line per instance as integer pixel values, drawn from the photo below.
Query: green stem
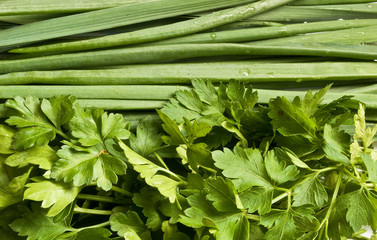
(231, 128)
(253, 217)
(183, 28)
(358, 179)
(289, 197)
(177, 177)
(325, 169)
(122, 191)
(92, 211)
(173, 52)
(98, 198)
(280, 197)
(333, 199)
(100, 225)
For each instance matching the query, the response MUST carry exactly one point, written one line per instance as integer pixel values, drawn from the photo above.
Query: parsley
(216, 165)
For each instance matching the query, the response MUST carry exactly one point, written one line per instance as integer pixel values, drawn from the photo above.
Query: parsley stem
(98, 198)
(122, 191)
(371, 185)
(92, 211)
(333, 199)
(289, 196)
(280, 197)
(326, 169)
(253, 217)
(353, 176)
(177, 177)
(61, 133)
(100, 225)
(75, 230)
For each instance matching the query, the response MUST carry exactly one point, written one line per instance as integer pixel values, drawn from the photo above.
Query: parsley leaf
(147, 139)
(150, 200)
(281, 225)
(227, 224)
(54, 195)
(38, 122)
(94, 233)
(310, 191)
(244, 166)
(149, 171)
(44, 156)
(223, 194)
(95, 126)
(336, 144)
(279, 170)
(12, 186)
(129, 225)
(84, 165)
(6, 138)
(36, 225)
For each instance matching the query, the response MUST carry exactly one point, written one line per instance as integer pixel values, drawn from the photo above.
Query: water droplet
(195, 22)
(213, 36)
(362, 33)
(245, 72)
(340, 19)
(283, 30)
(299, 80)
(305, 22)
(369, 6)
(362, 43)
(271, 74)
(375, 60)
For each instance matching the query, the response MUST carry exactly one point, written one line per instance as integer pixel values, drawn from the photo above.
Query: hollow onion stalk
(190, 26)
(115, 96)
(252, 34)
(105, 19)
(12, 7)
(165, 53)
(183, 73)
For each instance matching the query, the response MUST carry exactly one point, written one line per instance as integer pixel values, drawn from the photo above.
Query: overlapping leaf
(54, 195)
(150, 172)
(39, 122)
(228, 225)
(94, 126)
(147, 139)
(85, 165)
(36, 225)
(129, 226)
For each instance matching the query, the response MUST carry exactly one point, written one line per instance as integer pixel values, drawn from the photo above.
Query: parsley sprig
(215, 165)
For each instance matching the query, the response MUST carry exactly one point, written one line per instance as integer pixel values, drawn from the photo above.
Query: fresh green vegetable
(9, 7)
(105, 19)
(252, 34)
(236, 169)
(195, 25)
(182, 73)
(176, 52)
(238, 149)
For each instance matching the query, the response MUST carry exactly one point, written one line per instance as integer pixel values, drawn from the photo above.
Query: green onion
(98, 92)
(251, 34)
(12, 7)
(111, 104)
(202, 23)
(181, 51)
(183, 73)
(105, 19)
(325, 2)
(310, 14)
(359, 35)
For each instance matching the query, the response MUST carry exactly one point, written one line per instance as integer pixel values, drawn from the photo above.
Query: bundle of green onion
(133, 55)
